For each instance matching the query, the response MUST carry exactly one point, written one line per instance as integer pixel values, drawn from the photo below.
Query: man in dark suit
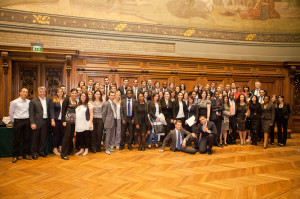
(39, 114)
(109, 117)
(123, 88)
(106, 86)
(90, 85)
(143, 88)
(164, 88)
(135, 89)
(178, 142)
(127, 120)
(207, 132)
(150, 88)
(216, 116)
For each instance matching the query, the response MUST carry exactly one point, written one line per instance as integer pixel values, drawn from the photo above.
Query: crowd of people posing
(101, 116)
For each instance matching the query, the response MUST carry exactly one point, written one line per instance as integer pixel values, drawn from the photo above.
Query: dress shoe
(209, 152)
(27, 157)
(226, 144)
(219, 145)
(94, 151)
(99, 150)
(140, 148)
(70, 153)
(149, 147)
(15, 159)
(156, 146)
(107, 152)
(282, 145)
(43, 155)
(130, 147)
(79, 152)
(64, 157)
(143, 148)
(35, 157)
(121, 147)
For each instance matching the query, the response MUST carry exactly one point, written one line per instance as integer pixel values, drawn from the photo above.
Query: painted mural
(254, 16)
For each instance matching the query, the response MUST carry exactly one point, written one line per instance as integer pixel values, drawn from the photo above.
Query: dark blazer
(150, 92)
(123, 108)
(193, 111)
(152, 110)
(134, 95)
(167, 110)
(142, 91)
(285, 109)
(211, 126)
(214, 108)
(55, 109)
(167, 89)
(268, 113)
(172, 136)
(36, 111)
(176, 108)
(121, 89)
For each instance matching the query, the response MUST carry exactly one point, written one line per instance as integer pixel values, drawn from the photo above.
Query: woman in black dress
(204, 105)
(141, 120)
(283, 113)
(241, 113)
(255, 112)
(267, 118)
(167, 110)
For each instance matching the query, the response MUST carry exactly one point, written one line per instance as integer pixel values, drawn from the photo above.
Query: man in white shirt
(261, 96)
(39, 119)
(19, 114)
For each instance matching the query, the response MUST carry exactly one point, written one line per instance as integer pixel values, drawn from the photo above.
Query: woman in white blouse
(84, 123)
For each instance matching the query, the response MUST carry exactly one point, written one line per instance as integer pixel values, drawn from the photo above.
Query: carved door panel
(53, 77)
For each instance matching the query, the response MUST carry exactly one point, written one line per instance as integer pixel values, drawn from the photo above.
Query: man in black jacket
(207, 132)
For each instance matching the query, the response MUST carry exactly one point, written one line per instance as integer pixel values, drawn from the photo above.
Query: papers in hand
(190, 121)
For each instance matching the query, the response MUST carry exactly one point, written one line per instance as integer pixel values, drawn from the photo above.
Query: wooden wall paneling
(53, 74)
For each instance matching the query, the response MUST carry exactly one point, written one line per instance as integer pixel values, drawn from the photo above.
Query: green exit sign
(37, 49)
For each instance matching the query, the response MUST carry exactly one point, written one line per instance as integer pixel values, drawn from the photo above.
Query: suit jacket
(285, 109)
(36, 111)
(141, 90)
(268, 113)
(150, 92)
(193, 111)
(108, 89)
(152, 111)
(176, 108)
(135, 94)
(253, 91)
(124, 107)
(172, 136)
(215, 108)
(210, 125)
(55, 109)
(123, 94)
(167, 89)
(167, 110)
(108, 114)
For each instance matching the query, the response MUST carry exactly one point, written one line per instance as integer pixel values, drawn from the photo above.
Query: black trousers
(84, 139)
(39, 137)
(272, 132)
(96, 136)
(188, 149)
(128, 126)
(218, 123)
(206, 141)
(67, 143)
(58, 134)
(282, 123)
(191, 129)
(233, 127)
(21, 128)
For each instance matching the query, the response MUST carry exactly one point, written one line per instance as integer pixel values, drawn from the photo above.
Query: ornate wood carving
(28, 77)
(69, 64)
(5, 58)
(53, 79)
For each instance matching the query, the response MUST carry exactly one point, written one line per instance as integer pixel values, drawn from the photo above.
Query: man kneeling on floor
(178, 142)
(206, 132)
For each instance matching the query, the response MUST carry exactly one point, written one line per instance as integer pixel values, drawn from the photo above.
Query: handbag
(158, 128)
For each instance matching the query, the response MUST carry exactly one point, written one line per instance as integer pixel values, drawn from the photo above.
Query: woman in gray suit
(267, 118)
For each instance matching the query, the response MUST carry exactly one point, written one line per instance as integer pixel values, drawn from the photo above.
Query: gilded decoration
(85, 23)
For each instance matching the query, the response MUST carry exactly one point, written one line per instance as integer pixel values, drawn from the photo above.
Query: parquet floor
(232, 172)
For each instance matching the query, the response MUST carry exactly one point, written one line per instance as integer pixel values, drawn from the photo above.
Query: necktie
(129, 108)
(178, 141)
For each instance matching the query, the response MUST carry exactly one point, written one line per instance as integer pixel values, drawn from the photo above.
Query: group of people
(101, 116)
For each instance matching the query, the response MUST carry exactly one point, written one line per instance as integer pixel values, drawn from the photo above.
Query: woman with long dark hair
(68, 120)
(283, 113)
(255, 114)
(167, 110)
(84, 123)
(180, 109)
(204, 105)
(225, 121)
(241, 113)
(56, 115)
(154, 111)
(267, 118)
(192, 110)
(98, 125)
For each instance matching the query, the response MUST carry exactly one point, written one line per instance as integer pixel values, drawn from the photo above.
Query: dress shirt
(44, 105)
(106, 89)
(135, 91)
(129, 104)
(261, 99)
(232, 105)
(178, 132)
(256, 92)
(180, 112)
(90, 88)
(19, 109)
(205, 126)
(113, 108)
(118, 111)
(59, 117)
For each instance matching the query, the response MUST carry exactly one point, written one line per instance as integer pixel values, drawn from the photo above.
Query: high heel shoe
(143, 148)
(80, 152)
